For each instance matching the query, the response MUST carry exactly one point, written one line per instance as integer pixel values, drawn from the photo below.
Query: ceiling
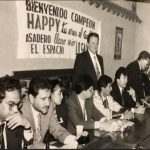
(143, 1)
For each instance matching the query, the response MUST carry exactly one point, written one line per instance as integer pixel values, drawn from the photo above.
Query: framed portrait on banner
(118, 43)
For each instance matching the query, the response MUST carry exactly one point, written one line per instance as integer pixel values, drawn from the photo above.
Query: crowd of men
(40, 119)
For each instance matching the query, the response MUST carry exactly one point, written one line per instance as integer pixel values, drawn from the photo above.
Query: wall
(9, 37)
(142, 38)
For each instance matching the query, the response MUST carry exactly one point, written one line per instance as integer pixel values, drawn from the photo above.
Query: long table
(137, 136)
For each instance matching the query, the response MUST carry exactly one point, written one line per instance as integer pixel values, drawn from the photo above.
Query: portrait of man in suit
(124, 96)
(89, 62)
(39, 111)
(134, 70)
(81, 110)
(14, 127)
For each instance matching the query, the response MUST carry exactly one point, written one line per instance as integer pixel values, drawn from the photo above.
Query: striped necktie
(98, 73)
(37, 136)
(105, 103)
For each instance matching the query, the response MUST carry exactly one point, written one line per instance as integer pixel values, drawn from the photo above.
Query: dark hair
(92, 34)
(36, 84)
(83, 83)
(8, 83)
(54, 83)
(143, 55)
(121, 70)
(103, 82)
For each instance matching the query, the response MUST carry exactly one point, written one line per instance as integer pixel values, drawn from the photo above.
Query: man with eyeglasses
(15, 129)
(134, 70)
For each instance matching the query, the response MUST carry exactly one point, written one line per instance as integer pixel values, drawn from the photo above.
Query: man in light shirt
(15, 128)
(89, 62)
(38, 109)
(103, 101)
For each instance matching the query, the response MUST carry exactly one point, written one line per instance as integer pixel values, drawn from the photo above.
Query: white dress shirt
(112, 105)
(82, 104)
(93, 61)
(36, 116)
(96, 123)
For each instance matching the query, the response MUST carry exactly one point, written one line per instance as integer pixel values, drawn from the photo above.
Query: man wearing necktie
(37, 102)
(81, 110)
(14, 128)
(124, 96)
(102, 99)
(89, 62)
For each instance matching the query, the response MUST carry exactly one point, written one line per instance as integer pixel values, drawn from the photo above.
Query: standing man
(134, 70)
(39, 110)
(89, 62)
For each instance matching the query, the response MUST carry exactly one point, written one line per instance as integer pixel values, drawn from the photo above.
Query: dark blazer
(75, 116)
(83, 65)
(135, 80)
(48, 122)
(116, 94)
(14, 138)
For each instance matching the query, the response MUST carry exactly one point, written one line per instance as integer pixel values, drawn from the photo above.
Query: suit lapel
(79, 106)
(119, 97)
(30, 114)
(100, 62)
(91, 66)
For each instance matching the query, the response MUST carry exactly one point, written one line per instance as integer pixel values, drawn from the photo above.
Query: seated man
(81, 110)
(102, 99)
(122, 94)
(39, 110)
(15, 128)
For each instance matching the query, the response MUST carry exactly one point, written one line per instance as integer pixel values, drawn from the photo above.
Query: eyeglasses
(12, 104)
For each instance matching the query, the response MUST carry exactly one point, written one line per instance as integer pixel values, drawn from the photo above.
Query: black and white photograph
(74, 74)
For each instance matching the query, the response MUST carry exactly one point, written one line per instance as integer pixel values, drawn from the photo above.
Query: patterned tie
(105, 103)
(98, 73)
(122, 97)
(2, 136)
(37, 136)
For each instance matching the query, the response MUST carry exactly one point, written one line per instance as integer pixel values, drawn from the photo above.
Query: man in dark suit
(134, 74)
(89, 62)
(81, 110)
(120, 93)
(39, 111)
(14, 128)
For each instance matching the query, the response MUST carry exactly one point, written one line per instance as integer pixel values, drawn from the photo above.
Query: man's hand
(16, 120)
(131, 92)
(127, 115)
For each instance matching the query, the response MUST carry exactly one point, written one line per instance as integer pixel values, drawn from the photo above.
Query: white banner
(47, 30)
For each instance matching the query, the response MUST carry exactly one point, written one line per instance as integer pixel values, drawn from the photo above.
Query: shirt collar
(35, 111)
(91, 54)
(103, 97)
(120, 88)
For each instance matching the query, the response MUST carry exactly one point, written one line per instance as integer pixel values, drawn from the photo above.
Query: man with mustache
(39, 110)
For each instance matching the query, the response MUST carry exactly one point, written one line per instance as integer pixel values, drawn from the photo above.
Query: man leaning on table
(81, 110)
(15, 129)
(38, 109)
